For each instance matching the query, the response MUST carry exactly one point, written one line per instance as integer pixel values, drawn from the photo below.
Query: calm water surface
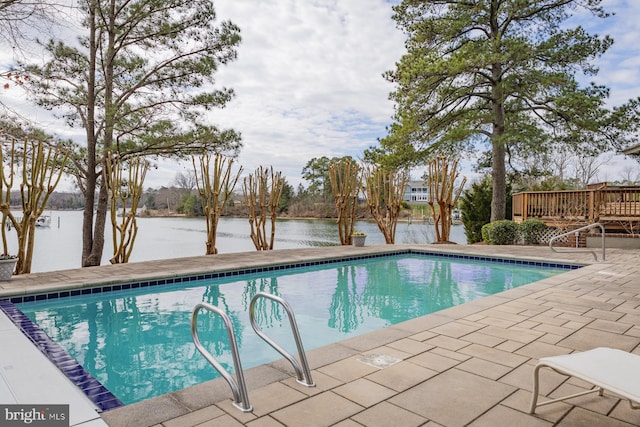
(60, 246)
(138, 342)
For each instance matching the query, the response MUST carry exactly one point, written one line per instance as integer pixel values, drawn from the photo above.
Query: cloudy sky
(309, 83)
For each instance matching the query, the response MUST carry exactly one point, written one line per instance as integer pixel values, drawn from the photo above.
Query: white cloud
(308, 78)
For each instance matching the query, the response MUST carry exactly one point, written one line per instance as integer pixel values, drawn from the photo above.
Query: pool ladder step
(238, 387)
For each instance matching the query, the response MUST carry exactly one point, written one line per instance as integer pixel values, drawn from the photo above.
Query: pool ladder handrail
(303, 374)
(577, 231)
(238, 388)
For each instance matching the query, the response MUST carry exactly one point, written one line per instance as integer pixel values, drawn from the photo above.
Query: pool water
(138, 342)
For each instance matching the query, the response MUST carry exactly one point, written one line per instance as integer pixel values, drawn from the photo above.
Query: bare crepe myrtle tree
(262, 191)
(214, 187)
(443, 193)
(40, 165)
(384, 190)
(346, 181)
(124, 198)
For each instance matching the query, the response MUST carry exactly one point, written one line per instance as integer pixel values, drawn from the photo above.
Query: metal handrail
(586, 227)
(296, 334)
(239, 388)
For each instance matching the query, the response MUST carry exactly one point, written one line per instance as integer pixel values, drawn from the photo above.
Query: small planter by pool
(358, 239)
(7, 265)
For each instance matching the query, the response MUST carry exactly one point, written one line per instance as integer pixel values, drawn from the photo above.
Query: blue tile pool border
(100, 395)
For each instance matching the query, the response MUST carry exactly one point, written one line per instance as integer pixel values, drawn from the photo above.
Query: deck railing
(609, 204)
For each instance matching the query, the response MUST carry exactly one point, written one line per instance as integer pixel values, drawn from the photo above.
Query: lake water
(59, 247)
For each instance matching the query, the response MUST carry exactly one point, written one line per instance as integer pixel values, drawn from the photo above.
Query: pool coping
(103, 398)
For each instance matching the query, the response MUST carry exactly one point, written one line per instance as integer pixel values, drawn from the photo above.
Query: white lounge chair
(608, 369)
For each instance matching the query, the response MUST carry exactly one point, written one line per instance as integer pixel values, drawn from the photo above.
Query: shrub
(475, 204)
(503, 232)
(532, 230)
(486, 233)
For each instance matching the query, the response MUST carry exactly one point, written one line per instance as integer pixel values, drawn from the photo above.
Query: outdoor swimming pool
(137, 342)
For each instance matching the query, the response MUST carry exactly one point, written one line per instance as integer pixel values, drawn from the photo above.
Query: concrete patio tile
(575, 325)
(633, 319)
(538, 350)
(551, 338)
(348, 369)
(576, 318)
(557, 330)
(579, 417)
(453, 398)
(522, 377)
(375, 339)
(586, 339)
(623, 412)
(242, 417)
(521, 401)
(510, 346)
(410, 346)
(327, 354)
(422, 336)
(434, 361)
(528, 324)
(617, 327)
(514, 334)
(504, 315)
(493, 355)
(497, 322)
(401, 376)
(450, 354)
(388, 350)
(483, 339)
(324, 409)
(605, 315)
(273, 397)
(364, 392)
(424, 323)
(600, 404)
(474, 317)
(634, 332)
(551, 316)
(385, 414)
(223, 421)
(266, 421)
(447, 342)
(195, 417)
(456, 329)
(347, 423)
(322, 383)
(145, 413)
(503, 416)
(487, 369)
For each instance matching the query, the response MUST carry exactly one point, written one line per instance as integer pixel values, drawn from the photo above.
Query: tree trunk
(88, 244)
(498, 203)
(498, 199)
(93, 242)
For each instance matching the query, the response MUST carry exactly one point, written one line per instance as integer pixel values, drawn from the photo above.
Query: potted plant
(7, 265)
(358, 238)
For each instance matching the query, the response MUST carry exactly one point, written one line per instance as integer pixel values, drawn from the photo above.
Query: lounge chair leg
(534, 395)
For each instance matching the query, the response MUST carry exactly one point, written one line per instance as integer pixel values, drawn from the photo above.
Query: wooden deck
(617, 208)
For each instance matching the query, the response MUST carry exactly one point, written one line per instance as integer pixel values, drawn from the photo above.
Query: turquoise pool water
(138, 342)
